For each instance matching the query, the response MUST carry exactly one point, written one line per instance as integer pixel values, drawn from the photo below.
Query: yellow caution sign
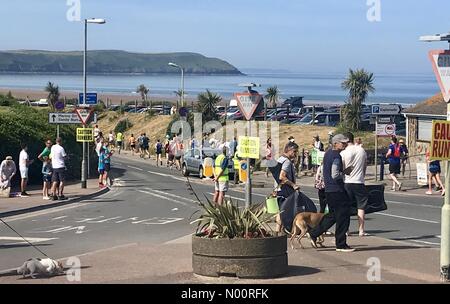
(248, 147)
(85, 134)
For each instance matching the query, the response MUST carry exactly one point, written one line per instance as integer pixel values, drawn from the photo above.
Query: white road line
(44, 212)
(163, 197)
(167, 175)
(128, 219)
(172, 195)
(59, 217)
(136, 168)
(407, 218)
(105, 220)
(416, 205)
(29, 239)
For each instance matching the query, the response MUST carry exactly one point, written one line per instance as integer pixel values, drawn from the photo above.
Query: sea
(314, 87)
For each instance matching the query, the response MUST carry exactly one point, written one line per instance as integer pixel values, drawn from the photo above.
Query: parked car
(193, 161)
(321, 119)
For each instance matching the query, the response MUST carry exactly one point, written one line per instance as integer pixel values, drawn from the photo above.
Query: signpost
(91, 99)
(68, 118)
(83, 114)
(248, 102)
(440, 60)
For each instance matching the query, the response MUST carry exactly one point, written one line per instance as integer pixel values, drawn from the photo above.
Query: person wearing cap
(404, 157)
(337, 199)
(220, 176)
(7, 172)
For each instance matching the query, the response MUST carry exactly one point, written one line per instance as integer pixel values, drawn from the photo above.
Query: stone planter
(243, 258)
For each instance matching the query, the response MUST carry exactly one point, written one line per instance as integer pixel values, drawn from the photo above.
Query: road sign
(248, 147)
(385, 129)
(68, 118)
(386, 109)
(247, 103)
(440, 60)
(91, 99)
(440, 140)
(422, 174)
(384, 120)
(85, 134)
(59, 105)
(83, 114)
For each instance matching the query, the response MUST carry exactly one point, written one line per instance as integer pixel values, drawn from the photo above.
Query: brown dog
(301, 225)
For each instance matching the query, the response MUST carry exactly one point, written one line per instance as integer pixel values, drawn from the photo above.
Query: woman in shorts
(434, 171)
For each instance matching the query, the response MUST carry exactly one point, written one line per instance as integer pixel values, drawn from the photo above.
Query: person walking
(337, 200)
(111, 139)
(355, 158)
(119, 139)
(317, 143)
(158, 149)
(394, 153)
(7, 172)
(319, 184)
(145, 146)
(96, 132)
(58, 156)
(101, 167)
(47, 179)
(434, 171)
(107, 162)
(269, 154)
(404, 156)
(24, 163)
(220, 177)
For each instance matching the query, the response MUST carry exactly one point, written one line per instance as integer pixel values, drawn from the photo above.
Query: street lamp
(445, 212)
(182, 80)
(84, 169)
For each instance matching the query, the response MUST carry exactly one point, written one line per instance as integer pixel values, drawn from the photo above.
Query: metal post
(248, 186)
(57, 130)
(445, 223)
(182, 87)
(376, 149)
(83, 162)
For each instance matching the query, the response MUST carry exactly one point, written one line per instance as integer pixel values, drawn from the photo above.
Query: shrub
(123, 125)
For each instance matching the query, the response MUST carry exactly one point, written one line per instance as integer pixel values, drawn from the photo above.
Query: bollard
(383, 159)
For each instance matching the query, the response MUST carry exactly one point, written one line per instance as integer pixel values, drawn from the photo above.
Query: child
(47, 171)
(101, 167)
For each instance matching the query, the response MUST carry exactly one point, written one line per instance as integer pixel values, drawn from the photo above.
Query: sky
(311, 36)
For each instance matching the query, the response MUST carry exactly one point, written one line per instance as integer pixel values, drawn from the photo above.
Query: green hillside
(111, 61)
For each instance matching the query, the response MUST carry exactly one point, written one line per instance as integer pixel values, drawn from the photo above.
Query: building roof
(434, 106)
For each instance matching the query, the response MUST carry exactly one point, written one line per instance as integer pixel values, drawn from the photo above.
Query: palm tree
(53, 94)
(179, 93)
(143, 90)
(207, 103)
(272, 95)
(359, 84)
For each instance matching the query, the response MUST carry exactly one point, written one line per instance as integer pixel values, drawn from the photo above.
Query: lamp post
(84, 169)
(445, 212)
(182, 80)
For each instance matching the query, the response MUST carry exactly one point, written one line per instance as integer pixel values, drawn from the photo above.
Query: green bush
(23, 124)
(123, 125)
(7, 100)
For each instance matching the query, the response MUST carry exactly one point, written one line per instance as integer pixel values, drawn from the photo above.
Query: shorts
(435, 169)
(119, 144)
(221, 186)
(133, 146)
(178, 157)
(357, 193)
(101, 171)
(59, 175)
(23, 172)
(107, 167)
(394, 168)
(171, 157)
(158, 153)
(47, 178)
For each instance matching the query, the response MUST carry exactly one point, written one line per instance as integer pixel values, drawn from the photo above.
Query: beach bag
(5, 192)
(272, 205)
(376, 201)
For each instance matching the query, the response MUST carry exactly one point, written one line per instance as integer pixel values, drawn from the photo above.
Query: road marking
(167, 175)
(59, 217)
(163, 197)
(173, 195)
(44, 212)
(136, 168)
(165, 220)
(141, 221)
(407, 218)
(21, 240)
(411, 204)
(79, 229)
(90, 219)
(105, 220)
(128, 219)
(174, 209)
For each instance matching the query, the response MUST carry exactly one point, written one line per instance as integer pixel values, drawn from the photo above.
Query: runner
(394, 153)
(119, 139)
(101, 167)
(111, 140)
(158, 149)
(107, 162)
(145, 146)
(132, 142)
(178, 152)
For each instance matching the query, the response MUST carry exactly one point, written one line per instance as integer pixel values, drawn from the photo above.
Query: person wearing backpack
(158, 149)
(394, 155)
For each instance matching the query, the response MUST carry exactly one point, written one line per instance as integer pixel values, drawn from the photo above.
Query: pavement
(140, 232)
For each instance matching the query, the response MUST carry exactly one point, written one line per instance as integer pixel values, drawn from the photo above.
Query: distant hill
(111, 61)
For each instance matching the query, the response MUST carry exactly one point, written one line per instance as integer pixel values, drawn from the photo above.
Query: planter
(243, 258)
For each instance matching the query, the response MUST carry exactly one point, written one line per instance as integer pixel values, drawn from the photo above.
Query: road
(151, 205)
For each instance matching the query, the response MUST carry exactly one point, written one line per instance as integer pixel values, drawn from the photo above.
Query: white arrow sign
(440, 60)
(67, 118)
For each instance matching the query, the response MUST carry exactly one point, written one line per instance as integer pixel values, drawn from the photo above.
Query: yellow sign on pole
(248, 147)
(440, 140)
(85, 134)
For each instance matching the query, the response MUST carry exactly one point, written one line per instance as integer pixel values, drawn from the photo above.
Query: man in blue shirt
(338, 201)
(394, 155)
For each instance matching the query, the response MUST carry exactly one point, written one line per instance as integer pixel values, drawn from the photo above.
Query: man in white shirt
(58, 156)
(354, 156)
(24, 162)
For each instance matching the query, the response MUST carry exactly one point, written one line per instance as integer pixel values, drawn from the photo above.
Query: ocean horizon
(323, 87)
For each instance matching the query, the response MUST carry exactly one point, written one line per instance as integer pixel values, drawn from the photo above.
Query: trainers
(24, 194)
(54, 198)
(429, 193)
(400, 187)
(45, 198)
(345, 249)
(62, 198)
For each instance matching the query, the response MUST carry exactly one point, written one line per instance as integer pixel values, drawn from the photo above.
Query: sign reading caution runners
(248, 103)
(248, 147)
(441, 66)
(440, 140)
(85, 134)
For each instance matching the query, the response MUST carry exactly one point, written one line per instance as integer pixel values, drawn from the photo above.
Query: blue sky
(323, 36)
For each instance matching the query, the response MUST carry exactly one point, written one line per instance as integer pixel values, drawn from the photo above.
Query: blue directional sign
(91, 99)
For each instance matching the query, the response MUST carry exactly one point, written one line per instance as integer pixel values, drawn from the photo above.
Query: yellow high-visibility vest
(218, 167)
(236, 161)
